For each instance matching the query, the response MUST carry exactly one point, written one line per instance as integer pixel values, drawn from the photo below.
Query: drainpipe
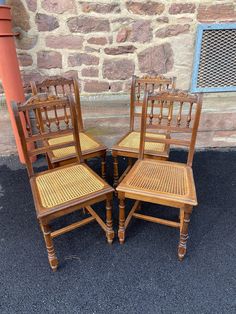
(9, 69)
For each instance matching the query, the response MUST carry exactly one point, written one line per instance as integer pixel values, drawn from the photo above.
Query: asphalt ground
(142, 276)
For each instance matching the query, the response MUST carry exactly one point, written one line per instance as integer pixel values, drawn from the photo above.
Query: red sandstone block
(220, 12)
(78, 59)
(118, 69)
(59, 6)
(25, 59)
(32, 5)
(103, 8)
(146, 8)
(96, 86)
(179, 8)
(172, 30)
(120, 50)
(97, 41)
(89, 72)
(147, 59)
(49, 59)
(66, 41)
(46, 22)
(88, 24)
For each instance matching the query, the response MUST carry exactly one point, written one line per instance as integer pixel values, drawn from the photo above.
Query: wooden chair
(159, 181)
(128, 145)
(89, 146)
(60, 191)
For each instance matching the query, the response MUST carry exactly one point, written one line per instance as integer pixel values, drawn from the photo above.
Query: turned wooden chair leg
(48, 162)
(50, 248)
(121, 231)
(181, 217)
(183, 235)
(130, 162)
(51, 165)
(84, 210)
(116, 172)
(139, 206)
(110, 232)
(103, 165)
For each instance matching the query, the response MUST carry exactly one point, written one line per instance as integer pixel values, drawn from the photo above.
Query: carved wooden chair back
(61, 87)
(175, 112)
(139, 87)
(58, 192)
(55, 111)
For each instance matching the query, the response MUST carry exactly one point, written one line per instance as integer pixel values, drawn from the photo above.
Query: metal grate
(215, 58)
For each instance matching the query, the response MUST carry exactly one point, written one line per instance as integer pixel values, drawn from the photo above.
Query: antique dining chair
(160, 181)
(60, 191)
(89, 146)
(128, 145)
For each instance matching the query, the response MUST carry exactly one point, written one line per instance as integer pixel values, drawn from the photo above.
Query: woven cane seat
(161, 179)
(132, 141)
(86, 142)
(66, 184)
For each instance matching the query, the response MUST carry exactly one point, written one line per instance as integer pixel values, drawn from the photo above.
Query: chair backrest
(175, 112)
(60, 86)
(47, 105)
(146, 84)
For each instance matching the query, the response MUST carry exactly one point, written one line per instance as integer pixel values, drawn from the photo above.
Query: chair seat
(86, 142)
(65, 185)
(160, 180)
(131, 142)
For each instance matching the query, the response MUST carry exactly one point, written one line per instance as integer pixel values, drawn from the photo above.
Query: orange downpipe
(9, 70)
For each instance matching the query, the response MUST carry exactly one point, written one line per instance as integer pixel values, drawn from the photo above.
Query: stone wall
(104, 42)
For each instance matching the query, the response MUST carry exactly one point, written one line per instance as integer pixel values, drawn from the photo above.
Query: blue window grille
(214, 67)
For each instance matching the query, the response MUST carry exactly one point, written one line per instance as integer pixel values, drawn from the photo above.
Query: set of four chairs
(160, 116)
